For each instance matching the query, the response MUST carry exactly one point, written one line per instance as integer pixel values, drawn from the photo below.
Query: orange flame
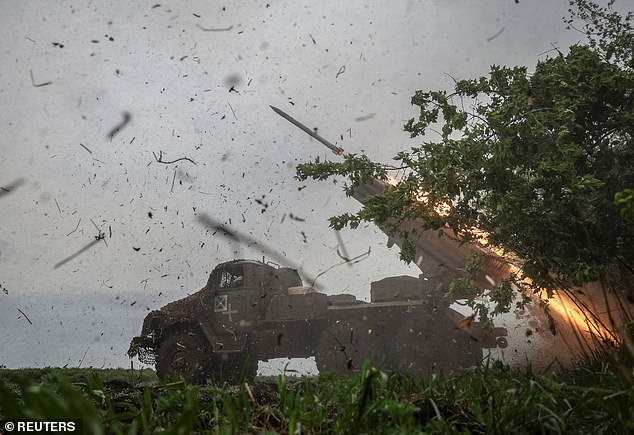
(559, 303)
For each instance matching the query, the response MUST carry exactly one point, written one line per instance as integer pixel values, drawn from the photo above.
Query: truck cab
(241, 291)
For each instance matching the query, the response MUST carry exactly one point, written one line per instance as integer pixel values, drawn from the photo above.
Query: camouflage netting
(188, 307)
(174, 313)
(146, 355)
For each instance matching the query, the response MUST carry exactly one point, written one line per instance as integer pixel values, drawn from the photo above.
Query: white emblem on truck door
(220, 304)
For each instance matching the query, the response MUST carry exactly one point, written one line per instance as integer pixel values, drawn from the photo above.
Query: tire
(186, 353)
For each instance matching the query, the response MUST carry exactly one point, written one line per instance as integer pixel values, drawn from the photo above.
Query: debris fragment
(38, 85)
(220, 29)
(100, 236)
(354, 260)
(343, 257)
(81, 361)
(85, 147)
(264, 205)
(232, 111)
(75, 228)
(5, 190)
(25, 316)
(341, 71)
(249, 240)
(491, 38)
(466, 322)
(126, 119)
(159, 159)
(211, 223)
(365, 118)
(344, 254)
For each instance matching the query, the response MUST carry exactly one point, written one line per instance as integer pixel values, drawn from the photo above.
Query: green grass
(595, 397)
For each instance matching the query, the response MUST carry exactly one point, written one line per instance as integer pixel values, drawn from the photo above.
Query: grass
(594, 397)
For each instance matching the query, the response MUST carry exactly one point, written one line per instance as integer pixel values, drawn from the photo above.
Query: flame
(392, 180)
(577, 317)
(560, 303)
(441, 209)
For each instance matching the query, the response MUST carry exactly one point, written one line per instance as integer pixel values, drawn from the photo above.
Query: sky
(99, 97)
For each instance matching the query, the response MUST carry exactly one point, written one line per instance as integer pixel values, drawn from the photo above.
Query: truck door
(230, 308)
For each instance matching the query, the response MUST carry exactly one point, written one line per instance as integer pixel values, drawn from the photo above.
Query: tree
(533, 159)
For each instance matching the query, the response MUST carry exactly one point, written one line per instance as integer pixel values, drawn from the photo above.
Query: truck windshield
(231, 279)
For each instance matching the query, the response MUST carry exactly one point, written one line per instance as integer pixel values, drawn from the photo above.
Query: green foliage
(608, 32)
(59, 401)
(625, 201)
(359, 169)
(490, 398)
(534, 159)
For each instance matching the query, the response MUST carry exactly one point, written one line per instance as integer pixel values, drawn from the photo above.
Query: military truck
(252, 311)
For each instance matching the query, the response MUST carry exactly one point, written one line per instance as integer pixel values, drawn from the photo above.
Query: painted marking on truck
(220, 304)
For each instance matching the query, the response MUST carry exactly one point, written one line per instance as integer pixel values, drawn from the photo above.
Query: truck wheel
(185, 353)
(344, 347)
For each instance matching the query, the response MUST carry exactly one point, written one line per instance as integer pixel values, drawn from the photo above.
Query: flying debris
(248, 240)
(82, 250)
(341, 71)
(126, 119)
(466, 322)
(214, 29)
(213, 224)
(159, 159)
(365, 118)
(38, 85)
(5, 190)
(491, 38)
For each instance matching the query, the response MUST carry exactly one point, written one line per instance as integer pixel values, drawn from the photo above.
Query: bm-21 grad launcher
(252, 311)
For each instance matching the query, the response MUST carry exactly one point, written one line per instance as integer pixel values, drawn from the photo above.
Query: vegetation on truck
(536, 163)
